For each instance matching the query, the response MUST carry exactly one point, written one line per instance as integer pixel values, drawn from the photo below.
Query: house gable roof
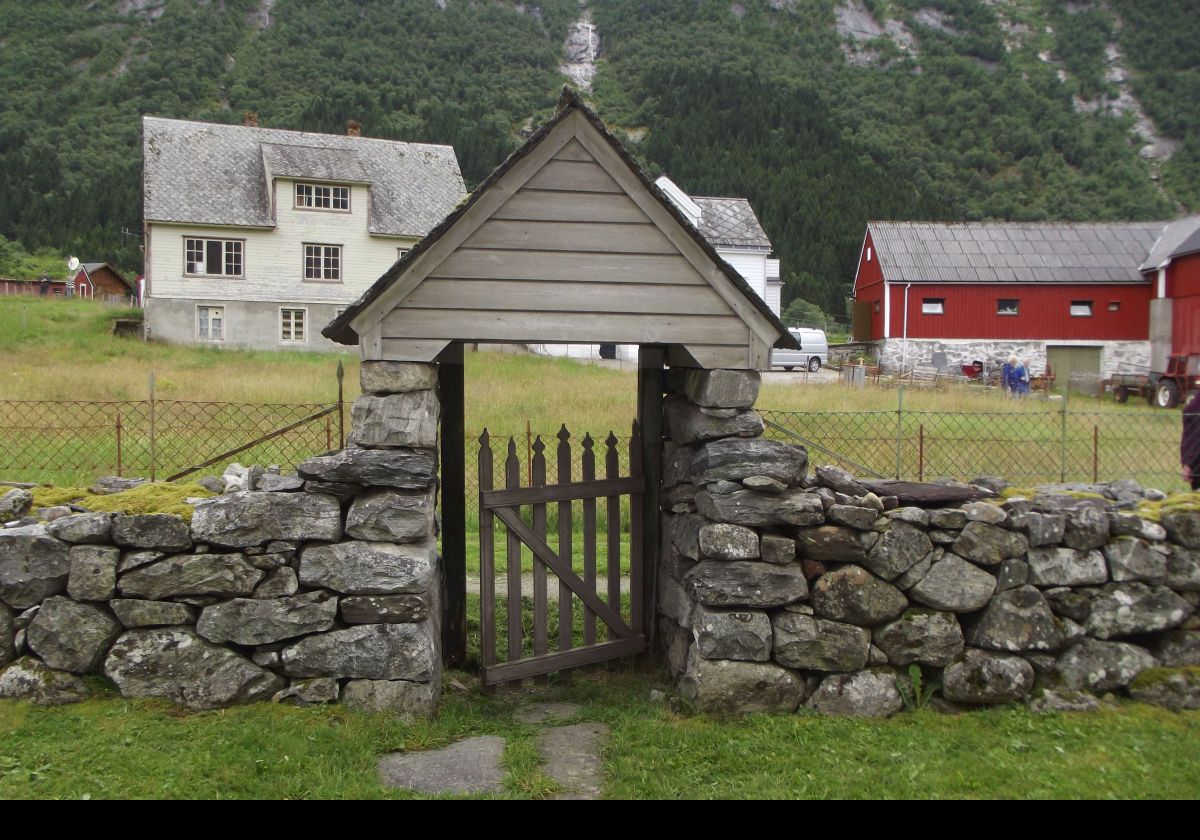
(1179, 238)
(1012, 252)
(212, 174)
(730, 222)
(88, 267)
(401, 280)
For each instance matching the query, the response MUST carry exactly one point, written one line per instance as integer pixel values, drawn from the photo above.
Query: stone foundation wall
(1117, 356)
(779, 591)
(326, 589)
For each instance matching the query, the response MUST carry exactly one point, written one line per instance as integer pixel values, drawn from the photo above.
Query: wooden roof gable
(567, 241)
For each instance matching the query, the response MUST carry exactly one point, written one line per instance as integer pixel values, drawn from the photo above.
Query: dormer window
(322, 197)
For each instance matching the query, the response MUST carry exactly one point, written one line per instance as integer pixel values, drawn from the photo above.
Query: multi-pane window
(210, 323)
(1007, 306)
(213, 257)
(1081, 308)
(933, 306)
(291, 325)
(323, 262)
(320, 197)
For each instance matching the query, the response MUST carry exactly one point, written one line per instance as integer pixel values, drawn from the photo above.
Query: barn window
(876, 307)
(213, 257)
(210, 323)
(1007, 306)
(868, 255)
(1081, 309)
(933, 306)
(291, 325)
(318, 197)
(323, 262)
(1114, 306)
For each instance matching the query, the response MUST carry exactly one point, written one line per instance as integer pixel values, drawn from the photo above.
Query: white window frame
(330, 198)
(933, 306)
(221, 319)
(400, 252)
(284, 325)
(1016, 309)
(228, 246)
(1081, 308)
(321, 252)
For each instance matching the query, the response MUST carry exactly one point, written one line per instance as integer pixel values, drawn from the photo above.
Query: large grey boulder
(368, 652)
(15, 504)
(370, 568)
(161, 531)
(1087, 526)
(1016, 620)
(920, 635)
(89, 528)
(8, 632)
(251, 518)
(689, 423)
(831, 544)
(403, 469)
(1102, 666)
(1183, 527)
(1044, 529)
(29, 679)
(261, 621)
(985, 512)
(33, 566)
(391, 516)
(776, 550)
(177, 665)
(814, 644)
(853, 516)
(723, 388)
(309, 692)
(1066, 567)
(1130, 558)
(408, 419)
(989, 545)
(723, 686)
(719, 541)
(744, 635)
(406, 699)
(280, 582)
(685, 534)
(1126, 609)
(897, 550)
(757, 510)
(385, 609)
(746, 584)
(853, 595)
(376, 377)
(1183, 570)
(871, 694)
(983, 677)
(736, 459)
(1172, 688)
(674, 601)
(1177, 648)
(70, 636)
(93, 572)
(182, 575)
(954, 585)
(270, 483)
(134, 613)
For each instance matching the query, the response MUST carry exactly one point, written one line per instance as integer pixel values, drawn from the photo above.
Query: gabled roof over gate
(567, 241)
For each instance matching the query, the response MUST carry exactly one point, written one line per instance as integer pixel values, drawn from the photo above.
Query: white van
(813, 352)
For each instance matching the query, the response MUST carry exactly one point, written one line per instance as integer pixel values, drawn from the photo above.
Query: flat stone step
(469, 766)
(539, 713)
(571, 757)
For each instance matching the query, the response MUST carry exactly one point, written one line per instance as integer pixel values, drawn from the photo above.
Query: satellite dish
(73, 264)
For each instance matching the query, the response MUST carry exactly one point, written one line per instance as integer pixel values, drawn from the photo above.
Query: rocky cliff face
(582, 49)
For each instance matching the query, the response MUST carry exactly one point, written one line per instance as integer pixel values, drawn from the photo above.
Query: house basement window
(323, 263)
(292, 326)
(933, 306)
(1081, 309)
(319, 197)
(1007, 306)
(213, 257)
(210, 323)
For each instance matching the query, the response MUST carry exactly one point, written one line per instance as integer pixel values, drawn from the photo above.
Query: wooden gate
(530, 648)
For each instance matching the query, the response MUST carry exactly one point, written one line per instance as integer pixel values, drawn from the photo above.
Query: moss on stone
(159, 497)
(1154, 676)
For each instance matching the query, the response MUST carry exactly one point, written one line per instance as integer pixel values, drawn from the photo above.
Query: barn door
(593, 613)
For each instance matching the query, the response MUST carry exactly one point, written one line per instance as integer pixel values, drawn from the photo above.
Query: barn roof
(211, 174)
(1012, 252)
(730, 222)
(1179, 237)
(341, 331)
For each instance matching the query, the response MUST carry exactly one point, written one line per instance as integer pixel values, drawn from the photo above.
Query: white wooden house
(258, 237)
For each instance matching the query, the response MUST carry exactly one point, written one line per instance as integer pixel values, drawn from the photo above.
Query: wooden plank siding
(573, 176)
(560, 296)
(484, 264)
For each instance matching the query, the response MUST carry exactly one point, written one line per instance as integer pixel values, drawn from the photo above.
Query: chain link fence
(1024, 447)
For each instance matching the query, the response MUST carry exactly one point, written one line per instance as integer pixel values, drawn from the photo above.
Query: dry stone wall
(327, 588)
(781, 591)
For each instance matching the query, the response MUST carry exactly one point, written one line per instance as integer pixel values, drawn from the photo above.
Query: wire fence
(1024, 447)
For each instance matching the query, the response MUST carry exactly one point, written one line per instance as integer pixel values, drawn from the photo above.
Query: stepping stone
(470, 766)
(536, 713)
(571, 757)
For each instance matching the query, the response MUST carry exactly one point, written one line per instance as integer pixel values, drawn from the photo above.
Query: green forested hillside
(969, 115)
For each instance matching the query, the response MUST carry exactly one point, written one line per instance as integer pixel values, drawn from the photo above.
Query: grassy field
(109, 748)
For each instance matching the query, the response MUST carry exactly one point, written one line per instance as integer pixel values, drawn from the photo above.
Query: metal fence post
(921, 453)
(1095, 454)
(341, 373)
(152, 430)
(118, 444)
(899, 425)
(1062, 457)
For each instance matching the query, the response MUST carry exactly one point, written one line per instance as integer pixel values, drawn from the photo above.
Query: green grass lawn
(110, 748)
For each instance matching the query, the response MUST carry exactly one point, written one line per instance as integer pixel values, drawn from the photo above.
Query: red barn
(101, 279)
(1173, 269)
(1060, 294)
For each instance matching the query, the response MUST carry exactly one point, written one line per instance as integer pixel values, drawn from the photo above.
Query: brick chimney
(250, 119)
(353, 128)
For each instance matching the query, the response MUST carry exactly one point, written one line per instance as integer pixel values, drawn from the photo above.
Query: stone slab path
(570, 758)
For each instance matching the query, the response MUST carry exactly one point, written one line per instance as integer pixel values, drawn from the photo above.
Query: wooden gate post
(651, 385)
(454, 504)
